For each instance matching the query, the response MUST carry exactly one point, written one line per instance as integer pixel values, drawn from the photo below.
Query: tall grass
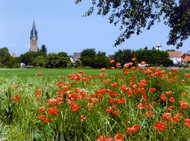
(20, 120)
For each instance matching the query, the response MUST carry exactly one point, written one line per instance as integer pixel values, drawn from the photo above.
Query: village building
(175, 56)
(186, 57)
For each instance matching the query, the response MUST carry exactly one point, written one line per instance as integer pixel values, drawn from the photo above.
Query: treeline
(88, 58)
(34, 59)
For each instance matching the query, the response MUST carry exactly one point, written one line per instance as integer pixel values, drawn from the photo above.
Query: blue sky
(61, 27)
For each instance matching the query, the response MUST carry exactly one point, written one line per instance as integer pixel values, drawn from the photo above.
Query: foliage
(134, 15)
(87, 57)
(55, 61)
(41, 61)
(151, 57)
(29, 57)
(90, 58)
(6, 60)
(63, 54)
(43, 49)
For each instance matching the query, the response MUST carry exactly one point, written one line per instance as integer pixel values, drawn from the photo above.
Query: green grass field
(115, 104)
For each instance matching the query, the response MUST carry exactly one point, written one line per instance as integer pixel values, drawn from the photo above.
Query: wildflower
(134, 129)
(152, 90)
(160, 126)
(81, 71)
(166, 116)
(172, 99)
(104, 138)
(134, 58)
(113, 68)
(42, 117)
(114, 84)
(187, 75)
(47, 120)
(187, 122)
(143, 63)
(118, 64)
(183, 104)
(15, 86)
(52, 102)
(42, 109)
(118, 137)
(90, 106)
(112, 61)
(149, 113)
(103, 69)
(116, 113)
(109, 110)
(170, 108)
(163, 97)
(94, 100)
(53, 111)
(60, 77)
(82, 117)
(142, 106)
(168, 92)
(16, 98)
(50, 85)
(40, 74)
(183, 94)
(175, 119)
(74, 107)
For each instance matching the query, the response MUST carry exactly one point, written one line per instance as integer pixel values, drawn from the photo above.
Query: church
(33, 39)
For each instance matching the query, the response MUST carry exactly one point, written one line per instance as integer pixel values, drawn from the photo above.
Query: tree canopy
(134, 15)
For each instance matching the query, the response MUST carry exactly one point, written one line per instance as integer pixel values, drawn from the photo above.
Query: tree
(101, 60)
(43, 49)
(134, 15)
(63, 54)
(87, 57)
(29, 57)
(123, 56)
(6, 60)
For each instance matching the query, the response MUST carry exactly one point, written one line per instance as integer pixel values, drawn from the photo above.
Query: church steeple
(34, 38)
(34, 32)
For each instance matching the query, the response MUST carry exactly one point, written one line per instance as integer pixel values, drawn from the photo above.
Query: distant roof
(174, 54)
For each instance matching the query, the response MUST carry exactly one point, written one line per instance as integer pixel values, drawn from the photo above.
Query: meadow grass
(114, 104)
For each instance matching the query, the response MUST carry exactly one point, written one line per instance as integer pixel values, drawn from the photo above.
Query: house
(75, 57)
(175, 56)
(185, 57)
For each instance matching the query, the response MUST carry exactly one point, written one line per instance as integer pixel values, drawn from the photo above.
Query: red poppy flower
(16, 98)
(116, 113)
(103, 69)
(53, 111)
(113, 68)
(166, 116)
(42, 109)
(152, 90)
(168, 92)
(134, 58)
(82, 117)
(183, 94)
(74, 107)
(172, 99)
(42, 117)
(175, 119)
(183, 104)
(118, 137)
(47, 120)
(170, 108)
(112, 61)
(163, 97)
(40, 74)
(15, 86)
(104, 138)
(160, 126)
(187, 75)
(118, 64)
(143, 63)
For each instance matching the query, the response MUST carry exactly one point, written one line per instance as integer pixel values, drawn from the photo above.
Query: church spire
(34, 39)
(34, 31)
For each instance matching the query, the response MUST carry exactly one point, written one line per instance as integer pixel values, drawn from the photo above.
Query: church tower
(34, 39)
